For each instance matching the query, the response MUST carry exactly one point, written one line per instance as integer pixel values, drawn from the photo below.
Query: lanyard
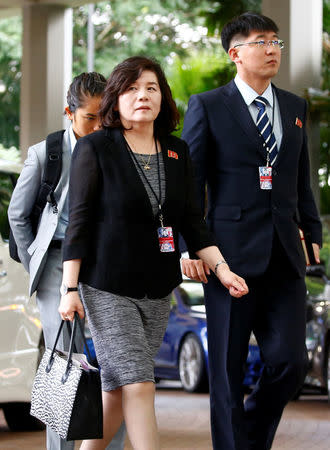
(158, 198)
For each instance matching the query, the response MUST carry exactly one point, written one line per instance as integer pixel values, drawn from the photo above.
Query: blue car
(183, 354)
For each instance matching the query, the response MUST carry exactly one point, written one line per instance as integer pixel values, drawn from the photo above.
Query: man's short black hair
(243, 25)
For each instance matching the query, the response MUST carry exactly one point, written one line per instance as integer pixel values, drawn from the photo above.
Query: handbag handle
(68, 325)
(71, 347)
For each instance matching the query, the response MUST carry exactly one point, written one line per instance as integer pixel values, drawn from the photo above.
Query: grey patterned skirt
(127, 334)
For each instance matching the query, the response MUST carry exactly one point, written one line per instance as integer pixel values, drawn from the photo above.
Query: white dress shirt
(272, 108)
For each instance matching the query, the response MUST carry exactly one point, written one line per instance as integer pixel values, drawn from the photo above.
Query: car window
(192, 293)
(7, 183)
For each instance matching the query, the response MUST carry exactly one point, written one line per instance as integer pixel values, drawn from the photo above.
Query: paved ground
(184, 424)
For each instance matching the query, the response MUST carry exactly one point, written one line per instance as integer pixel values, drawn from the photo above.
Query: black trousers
(275, 310)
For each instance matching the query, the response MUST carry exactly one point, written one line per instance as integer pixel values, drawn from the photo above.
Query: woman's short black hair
(125, 74)
(243, 25)
(87, 84)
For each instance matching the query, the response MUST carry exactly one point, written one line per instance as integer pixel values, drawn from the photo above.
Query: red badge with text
(172, 154)
(298, 122)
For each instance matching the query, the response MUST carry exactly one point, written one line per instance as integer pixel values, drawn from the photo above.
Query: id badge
(265, 177)
(165, 239)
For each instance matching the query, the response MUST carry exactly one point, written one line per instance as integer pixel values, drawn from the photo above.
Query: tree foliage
(220, 12)
(154, 28)
(165, 29)
(10, 75)
(199, 72)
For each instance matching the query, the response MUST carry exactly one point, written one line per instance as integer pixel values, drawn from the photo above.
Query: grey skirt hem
(114, 386)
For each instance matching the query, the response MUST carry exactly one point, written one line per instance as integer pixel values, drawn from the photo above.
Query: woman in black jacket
(131, 194)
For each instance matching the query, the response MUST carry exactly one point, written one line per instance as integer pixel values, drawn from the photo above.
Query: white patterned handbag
(66, 394)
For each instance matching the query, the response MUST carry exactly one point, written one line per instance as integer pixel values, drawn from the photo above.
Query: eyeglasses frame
(278, 43)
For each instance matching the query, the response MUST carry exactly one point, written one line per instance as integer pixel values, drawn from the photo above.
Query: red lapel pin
(298, 122)
(172, 154)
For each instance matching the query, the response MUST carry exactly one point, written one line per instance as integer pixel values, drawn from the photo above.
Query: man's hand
(316, 250)
(195, 269)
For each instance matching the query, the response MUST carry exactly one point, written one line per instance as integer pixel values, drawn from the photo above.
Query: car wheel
(192, 367)
(18, 417)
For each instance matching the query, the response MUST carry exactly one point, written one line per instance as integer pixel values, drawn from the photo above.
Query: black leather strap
(72, 347)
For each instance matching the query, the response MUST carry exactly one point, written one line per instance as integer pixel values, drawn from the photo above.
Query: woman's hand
(195, 269)
(236, 285)
(70, 303)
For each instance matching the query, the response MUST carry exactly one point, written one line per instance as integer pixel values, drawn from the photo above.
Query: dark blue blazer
(227, 150)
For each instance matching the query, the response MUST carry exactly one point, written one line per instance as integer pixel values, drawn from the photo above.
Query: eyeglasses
(262, 44)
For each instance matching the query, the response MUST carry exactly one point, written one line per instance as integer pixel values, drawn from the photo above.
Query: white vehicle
(21, 341)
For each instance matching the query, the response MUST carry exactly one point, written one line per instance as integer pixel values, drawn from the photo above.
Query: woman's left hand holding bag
(70, 303)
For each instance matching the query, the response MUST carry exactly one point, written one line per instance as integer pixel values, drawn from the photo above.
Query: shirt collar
(249, 94)
(73, 139)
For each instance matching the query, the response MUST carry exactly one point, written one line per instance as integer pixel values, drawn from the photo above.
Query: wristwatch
(65, 289)
(222, 261)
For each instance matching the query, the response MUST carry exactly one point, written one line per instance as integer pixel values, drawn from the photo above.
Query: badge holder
(265, 175)
(165, 236)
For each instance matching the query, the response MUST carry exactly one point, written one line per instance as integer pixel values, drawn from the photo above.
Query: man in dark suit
(249, 147)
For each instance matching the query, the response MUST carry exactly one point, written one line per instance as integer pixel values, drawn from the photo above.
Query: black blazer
(111, 224)
(226, 150)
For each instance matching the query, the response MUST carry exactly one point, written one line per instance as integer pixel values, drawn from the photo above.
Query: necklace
(146, 164)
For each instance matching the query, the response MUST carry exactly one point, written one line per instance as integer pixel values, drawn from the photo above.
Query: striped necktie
(266, 130)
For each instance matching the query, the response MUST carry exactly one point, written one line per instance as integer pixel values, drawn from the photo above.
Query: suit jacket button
(274, 172)
(274, 208)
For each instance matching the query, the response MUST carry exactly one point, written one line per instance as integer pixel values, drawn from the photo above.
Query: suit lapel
(169, 174)
(128, 163)
(236, 104)
(284, 107)
(41, 242)
(136, 181)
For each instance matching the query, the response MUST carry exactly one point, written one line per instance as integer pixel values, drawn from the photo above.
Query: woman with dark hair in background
(122, 241)
(41, 253)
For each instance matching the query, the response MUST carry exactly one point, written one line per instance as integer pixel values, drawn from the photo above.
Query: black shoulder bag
(50, 179)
